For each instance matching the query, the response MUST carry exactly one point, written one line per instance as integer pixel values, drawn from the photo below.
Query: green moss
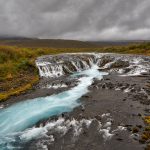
(25, 65)
(145, 137)
(147, 128)
(17, 91)
(135, 130)
(147, 120)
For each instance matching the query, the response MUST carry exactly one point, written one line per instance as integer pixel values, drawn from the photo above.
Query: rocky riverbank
(110, 117)
(111, 113)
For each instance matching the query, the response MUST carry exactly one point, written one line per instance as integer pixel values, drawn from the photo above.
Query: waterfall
(59, 65)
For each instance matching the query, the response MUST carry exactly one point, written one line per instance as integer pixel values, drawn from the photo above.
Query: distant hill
(59, 43)
(6, 37)
(25, 42)
(118, 42)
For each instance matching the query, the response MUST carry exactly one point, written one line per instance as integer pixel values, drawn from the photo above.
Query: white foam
(117, 89)
(56, 86)
(1, 106)
(47, 69)
(61, 126)
(121, 128)
(127, 90)
(108, 124)
(105, 115)
(106, 133)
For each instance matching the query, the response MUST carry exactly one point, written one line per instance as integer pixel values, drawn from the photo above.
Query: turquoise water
(17, 118)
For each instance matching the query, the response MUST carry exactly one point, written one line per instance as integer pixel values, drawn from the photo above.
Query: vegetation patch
(145, 137)
(19, 90)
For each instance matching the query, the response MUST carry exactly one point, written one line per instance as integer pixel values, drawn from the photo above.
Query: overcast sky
(76, 19)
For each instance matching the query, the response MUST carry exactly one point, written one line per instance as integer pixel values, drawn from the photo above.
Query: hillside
(58, 43)
(47, 43)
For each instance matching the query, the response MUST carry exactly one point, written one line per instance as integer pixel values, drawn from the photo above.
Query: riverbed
(82, 101)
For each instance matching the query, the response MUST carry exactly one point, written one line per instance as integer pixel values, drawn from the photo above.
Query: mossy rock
(105, 60)
(147, 128)
(135, 130)
(145, 136)
(147, 120)
(119, 64)
(147, 147)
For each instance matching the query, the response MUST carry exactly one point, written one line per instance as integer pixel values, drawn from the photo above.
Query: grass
(17, 91)
(18, 72)
(145, 138)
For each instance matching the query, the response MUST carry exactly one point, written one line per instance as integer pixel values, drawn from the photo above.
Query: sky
(76, 19)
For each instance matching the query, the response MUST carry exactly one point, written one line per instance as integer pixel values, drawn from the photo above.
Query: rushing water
(15, 119)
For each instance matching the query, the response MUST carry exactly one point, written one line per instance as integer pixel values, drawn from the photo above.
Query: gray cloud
(76, 19)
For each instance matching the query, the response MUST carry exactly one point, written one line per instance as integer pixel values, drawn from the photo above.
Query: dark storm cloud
(76, 19)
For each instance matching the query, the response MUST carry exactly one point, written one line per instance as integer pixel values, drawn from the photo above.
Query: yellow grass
(19, 90)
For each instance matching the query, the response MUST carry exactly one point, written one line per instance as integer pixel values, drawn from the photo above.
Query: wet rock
(107, 79)
(105, 60)
(139, 126)
(103, 86)
(119, 64)
(147, 110)
(82, 107)
(119, 139)
(142, 141)
(145, 73)
(98, 117)
(128, 125)
(109, 85)
(147, 147)
(122, 124)
(139, 115)
(86, 96)
(81, 116)
(129, 129)
(148, 142)
(47, 94)
(63, 115)
(132, 90)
